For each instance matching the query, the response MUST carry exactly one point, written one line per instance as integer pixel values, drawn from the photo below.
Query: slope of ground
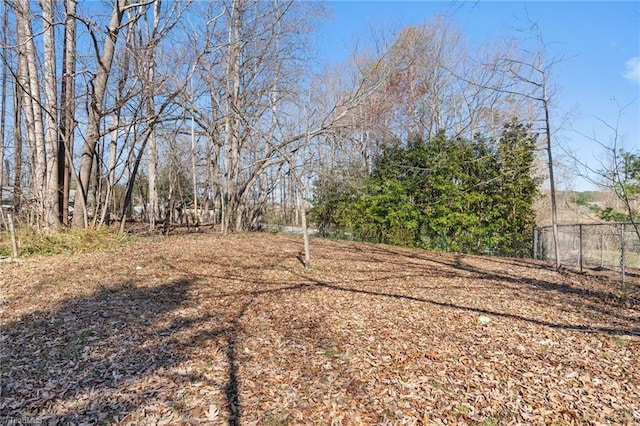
(210, 329)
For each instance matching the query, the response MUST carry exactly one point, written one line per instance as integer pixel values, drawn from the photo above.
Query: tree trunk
(111, 174)
(233, 217)
(51, 201)
(17, 154)
(215, 182)
(32, 107)
(67, 112)
(130, 185)
(194, 166)
(154, 210)
(3, 96)
(305, 234)
(554, 208)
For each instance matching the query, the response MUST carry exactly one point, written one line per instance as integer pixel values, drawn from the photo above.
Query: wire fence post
(601, 250)
(535, 243)
(580, 255)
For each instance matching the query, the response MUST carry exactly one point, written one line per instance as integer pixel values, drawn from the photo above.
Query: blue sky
(600, 42)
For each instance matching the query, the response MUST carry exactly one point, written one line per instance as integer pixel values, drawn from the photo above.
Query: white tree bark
(50, 192)
(29, 84)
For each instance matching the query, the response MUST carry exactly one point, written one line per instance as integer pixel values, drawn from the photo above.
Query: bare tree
(156, 27)
(428, 82)
(261, 74)
(299, 167)
(618, 172)
(527, 75)
(98, 88)
(533, 79)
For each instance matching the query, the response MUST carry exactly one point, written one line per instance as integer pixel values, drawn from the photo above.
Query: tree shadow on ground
(95, 358)
(543, 285)
(574, 327)
(458, 263)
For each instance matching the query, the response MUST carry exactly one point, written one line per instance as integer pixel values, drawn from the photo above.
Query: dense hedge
(448, 193)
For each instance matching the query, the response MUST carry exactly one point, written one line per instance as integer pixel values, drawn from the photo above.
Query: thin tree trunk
(97, 186)
(111, 173)
(153, 166)
(194, 164)
(154, 210)
(217, 187)
(305, 236)
(17, 151)
(554, 208)
(131, 184)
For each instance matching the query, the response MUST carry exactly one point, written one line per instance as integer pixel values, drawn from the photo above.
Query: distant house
(7, 197)
(27, 195)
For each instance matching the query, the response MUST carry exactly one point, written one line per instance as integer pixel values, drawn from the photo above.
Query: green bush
(448, 193)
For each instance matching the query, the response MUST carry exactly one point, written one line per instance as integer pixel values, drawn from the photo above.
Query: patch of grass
(436, 384)
(206, 366)
(112, 418)
(277, 418)
(71, 351)
(331, 352)
(464, 409)
(621, 417)
(488, 422)
(620, 341)
(33, 243)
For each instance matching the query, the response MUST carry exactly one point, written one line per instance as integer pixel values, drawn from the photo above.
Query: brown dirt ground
(209, 329)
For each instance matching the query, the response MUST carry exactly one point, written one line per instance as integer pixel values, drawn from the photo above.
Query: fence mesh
(612, 246)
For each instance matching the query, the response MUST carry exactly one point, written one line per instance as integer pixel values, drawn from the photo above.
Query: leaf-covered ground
(210, 329)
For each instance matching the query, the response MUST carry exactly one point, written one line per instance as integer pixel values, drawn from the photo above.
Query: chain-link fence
(601, 246)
